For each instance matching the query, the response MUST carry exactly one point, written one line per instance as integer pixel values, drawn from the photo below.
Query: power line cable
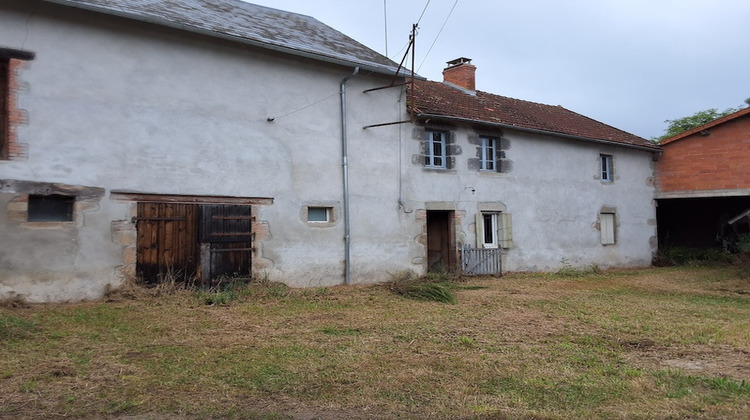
(271, 118)
(438, 34)
(409, 42)
(385, 25)
(423, 10)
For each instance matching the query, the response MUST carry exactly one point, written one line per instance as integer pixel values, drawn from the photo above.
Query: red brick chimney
(460, 72)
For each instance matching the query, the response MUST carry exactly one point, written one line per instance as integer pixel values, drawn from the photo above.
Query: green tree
(683, 124)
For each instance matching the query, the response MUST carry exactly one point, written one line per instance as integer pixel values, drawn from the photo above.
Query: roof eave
(175, 25)
(707, 125)
(654, 148)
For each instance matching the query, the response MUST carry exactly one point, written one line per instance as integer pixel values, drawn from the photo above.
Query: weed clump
(567, 270)
(435, 287)
(684, 256)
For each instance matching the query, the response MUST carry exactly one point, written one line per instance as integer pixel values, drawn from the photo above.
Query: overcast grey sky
(628, 63)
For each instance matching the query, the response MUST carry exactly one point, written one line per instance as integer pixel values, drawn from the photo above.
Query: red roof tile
(442, 100)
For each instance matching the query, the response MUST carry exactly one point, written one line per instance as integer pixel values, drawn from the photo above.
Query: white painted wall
(554, 195)
(130, 106)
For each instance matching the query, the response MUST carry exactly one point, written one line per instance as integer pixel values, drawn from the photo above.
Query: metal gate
(484, 261)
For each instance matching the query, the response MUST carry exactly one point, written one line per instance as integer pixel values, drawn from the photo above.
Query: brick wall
(12, 149)
(462, 75)
(717, 161)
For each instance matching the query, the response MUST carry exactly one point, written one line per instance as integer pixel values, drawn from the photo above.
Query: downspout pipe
(345, 166)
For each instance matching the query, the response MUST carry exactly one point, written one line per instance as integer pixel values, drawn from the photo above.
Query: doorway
(192, 242)
(441, 250)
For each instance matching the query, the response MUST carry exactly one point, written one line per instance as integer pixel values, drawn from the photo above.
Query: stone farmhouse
(198, 139)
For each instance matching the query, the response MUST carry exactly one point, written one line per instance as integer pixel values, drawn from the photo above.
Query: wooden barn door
(191, 241)
(167, 243)
(226, 241)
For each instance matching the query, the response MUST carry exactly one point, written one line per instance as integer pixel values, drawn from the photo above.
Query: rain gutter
(655, 148)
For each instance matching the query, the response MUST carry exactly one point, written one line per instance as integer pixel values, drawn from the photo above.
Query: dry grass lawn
(656, 343)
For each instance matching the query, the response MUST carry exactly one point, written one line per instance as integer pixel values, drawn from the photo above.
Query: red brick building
(703, 183)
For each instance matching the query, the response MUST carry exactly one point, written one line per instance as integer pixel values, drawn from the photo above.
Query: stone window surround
(334, 214)
(451, 148)
(86, 199)
(615, 225)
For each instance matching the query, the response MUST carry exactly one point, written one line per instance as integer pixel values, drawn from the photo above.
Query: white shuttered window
(494, 230)
(607, 228)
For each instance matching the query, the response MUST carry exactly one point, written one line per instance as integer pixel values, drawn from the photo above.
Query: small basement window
(319, 214)
(50, 208)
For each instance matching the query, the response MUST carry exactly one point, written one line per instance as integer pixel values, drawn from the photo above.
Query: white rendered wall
(554, 195)
(129, 106)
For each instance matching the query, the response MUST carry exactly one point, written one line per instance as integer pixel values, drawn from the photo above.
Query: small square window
(50, 208)
(606, 168)
(319, 214)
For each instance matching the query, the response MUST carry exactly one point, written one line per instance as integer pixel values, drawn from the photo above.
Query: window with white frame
(319, 214)
(605, 163)
(607, 225)
(494, 230)
(436, 155)
(489, 225)
(487, 155)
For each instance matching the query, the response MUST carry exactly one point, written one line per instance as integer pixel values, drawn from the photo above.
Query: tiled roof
(441, 100)
(248, 23)
(706, 126)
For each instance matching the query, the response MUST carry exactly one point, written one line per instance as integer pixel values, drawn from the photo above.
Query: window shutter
(479, 223)
(505, 230)
(607, 228)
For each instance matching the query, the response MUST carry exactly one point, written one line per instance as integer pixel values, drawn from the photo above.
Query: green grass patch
(15, 328)
(599, 345)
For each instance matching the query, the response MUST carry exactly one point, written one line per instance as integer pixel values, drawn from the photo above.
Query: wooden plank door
(226, 241)
(167, 244)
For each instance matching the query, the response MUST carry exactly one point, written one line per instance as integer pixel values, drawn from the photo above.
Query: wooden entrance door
(441, 253)
(167, 244)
